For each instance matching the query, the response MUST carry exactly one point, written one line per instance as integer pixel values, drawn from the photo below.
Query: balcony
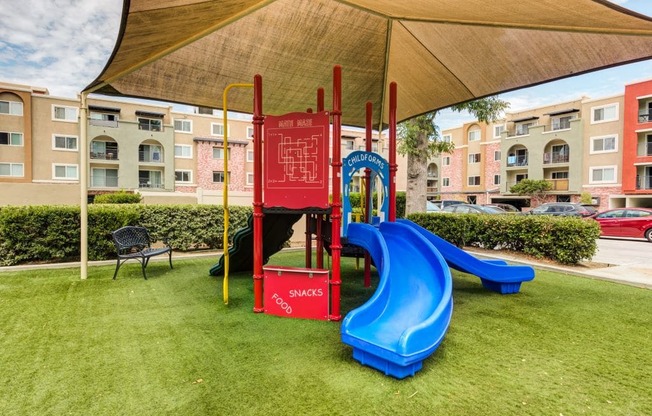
(644, 182)
(558, 184)
(108, 155)
(516, 161)
(644, 117)
(149, 184)
(431, 190)
(149, 157)
(554, 157)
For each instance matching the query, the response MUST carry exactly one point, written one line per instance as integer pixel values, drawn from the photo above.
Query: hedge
(566, 240)
(51, 233)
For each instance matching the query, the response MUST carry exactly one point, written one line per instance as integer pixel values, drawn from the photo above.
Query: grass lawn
(565, 345)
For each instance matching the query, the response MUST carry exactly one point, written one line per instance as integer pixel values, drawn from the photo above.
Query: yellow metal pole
(225, 190)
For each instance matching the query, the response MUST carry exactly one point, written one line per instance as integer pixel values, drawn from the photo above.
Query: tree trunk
(417, 178)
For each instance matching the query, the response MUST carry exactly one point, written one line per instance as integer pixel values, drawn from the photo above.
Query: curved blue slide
(406, 319)
(496, 276)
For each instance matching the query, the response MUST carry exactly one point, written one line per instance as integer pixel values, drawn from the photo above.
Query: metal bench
(133, 242)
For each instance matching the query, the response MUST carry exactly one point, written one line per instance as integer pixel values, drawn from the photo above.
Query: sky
(63, 45)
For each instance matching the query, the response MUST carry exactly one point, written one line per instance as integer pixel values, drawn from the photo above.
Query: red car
(626, 222)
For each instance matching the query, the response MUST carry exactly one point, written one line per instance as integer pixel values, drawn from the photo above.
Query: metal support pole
(258, 121)
(336, 245)
(393, 167)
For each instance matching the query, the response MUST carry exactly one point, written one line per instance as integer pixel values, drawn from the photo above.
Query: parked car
(504, 207)
(626, 222)
(472, 209)
(447, 202)
(432, 207)
(565, 209)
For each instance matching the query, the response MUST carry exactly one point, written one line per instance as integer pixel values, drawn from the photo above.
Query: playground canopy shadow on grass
(168, 345)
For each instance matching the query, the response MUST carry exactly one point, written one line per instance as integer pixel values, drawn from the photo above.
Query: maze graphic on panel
(299, 158)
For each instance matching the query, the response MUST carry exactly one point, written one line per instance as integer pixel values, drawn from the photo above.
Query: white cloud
(62, 45)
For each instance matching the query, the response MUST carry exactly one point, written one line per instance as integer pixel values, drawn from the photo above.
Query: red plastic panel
(296, 160)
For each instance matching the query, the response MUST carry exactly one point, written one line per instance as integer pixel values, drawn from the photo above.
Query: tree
(535, 189)
(420, 141)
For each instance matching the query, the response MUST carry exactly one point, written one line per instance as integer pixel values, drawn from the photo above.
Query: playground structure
(407, 317)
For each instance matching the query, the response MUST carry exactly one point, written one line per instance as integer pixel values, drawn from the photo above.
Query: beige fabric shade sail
(440, 52)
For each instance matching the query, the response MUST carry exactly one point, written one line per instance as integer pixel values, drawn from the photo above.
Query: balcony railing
(516, 161)
(644, 182)
(109, 155)
(644, 117)
(431, 190)
(432, 175)
(554, 157)
(104, 123)
(149, 184)
(147, 157)
(558, 184)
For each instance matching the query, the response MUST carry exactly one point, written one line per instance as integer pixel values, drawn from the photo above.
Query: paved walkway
(612, 262)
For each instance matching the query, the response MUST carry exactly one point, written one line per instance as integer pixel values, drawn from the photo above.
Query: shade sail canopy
(440, 52)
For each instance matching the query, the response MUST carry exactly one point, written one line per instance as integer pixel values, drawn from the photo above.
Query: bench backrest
(131, 236)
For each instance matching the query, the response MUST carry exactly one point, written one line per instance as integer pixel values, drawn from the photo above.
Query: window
(250, 178)
(474, 135)
(104, 178)
(445, 182)
(604, 144)
(183, 176)
(349, 144)
(561, 123)
(496, 179)
(12, 108)
(104, 119)
(520, 177)
(150, 179)
(497, 155)
(474, 158)
(523, 129)
(183, 151)
(559, 175)
(217, 129)
(250, 132)
(498, 131)
(218, 176)
(11, 139)
(183, 126)
(218, 153)
(446, 160)
(446, 138)
(374, 147)
(604, 113)
(104, 150)
(11, 169)
(473, 180)
(150, 153)
(61, 113)
(250, 155)
(602, 174)
(150, 124)
(65, 172)
(64, 142)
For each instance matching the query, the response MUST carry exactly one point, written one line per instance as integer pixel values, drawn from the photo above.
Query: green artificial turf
(565, 345)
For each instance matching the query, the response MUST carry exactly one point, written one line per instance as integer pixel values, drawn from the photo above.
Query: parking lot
(625, 260)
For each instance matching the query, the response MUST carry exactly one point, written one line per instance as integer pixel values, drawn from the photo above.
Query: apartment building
(637, 146)
(597, 148)
(167, 156)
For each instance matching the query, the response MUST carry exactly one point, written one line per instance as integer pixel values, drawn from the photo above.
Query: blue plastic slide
(501, 278)
(407, 317)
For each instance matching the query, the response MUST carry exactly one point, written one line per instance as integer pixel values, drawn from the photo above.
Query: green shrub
(52, 233)
(121, 197)
(566, 240)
